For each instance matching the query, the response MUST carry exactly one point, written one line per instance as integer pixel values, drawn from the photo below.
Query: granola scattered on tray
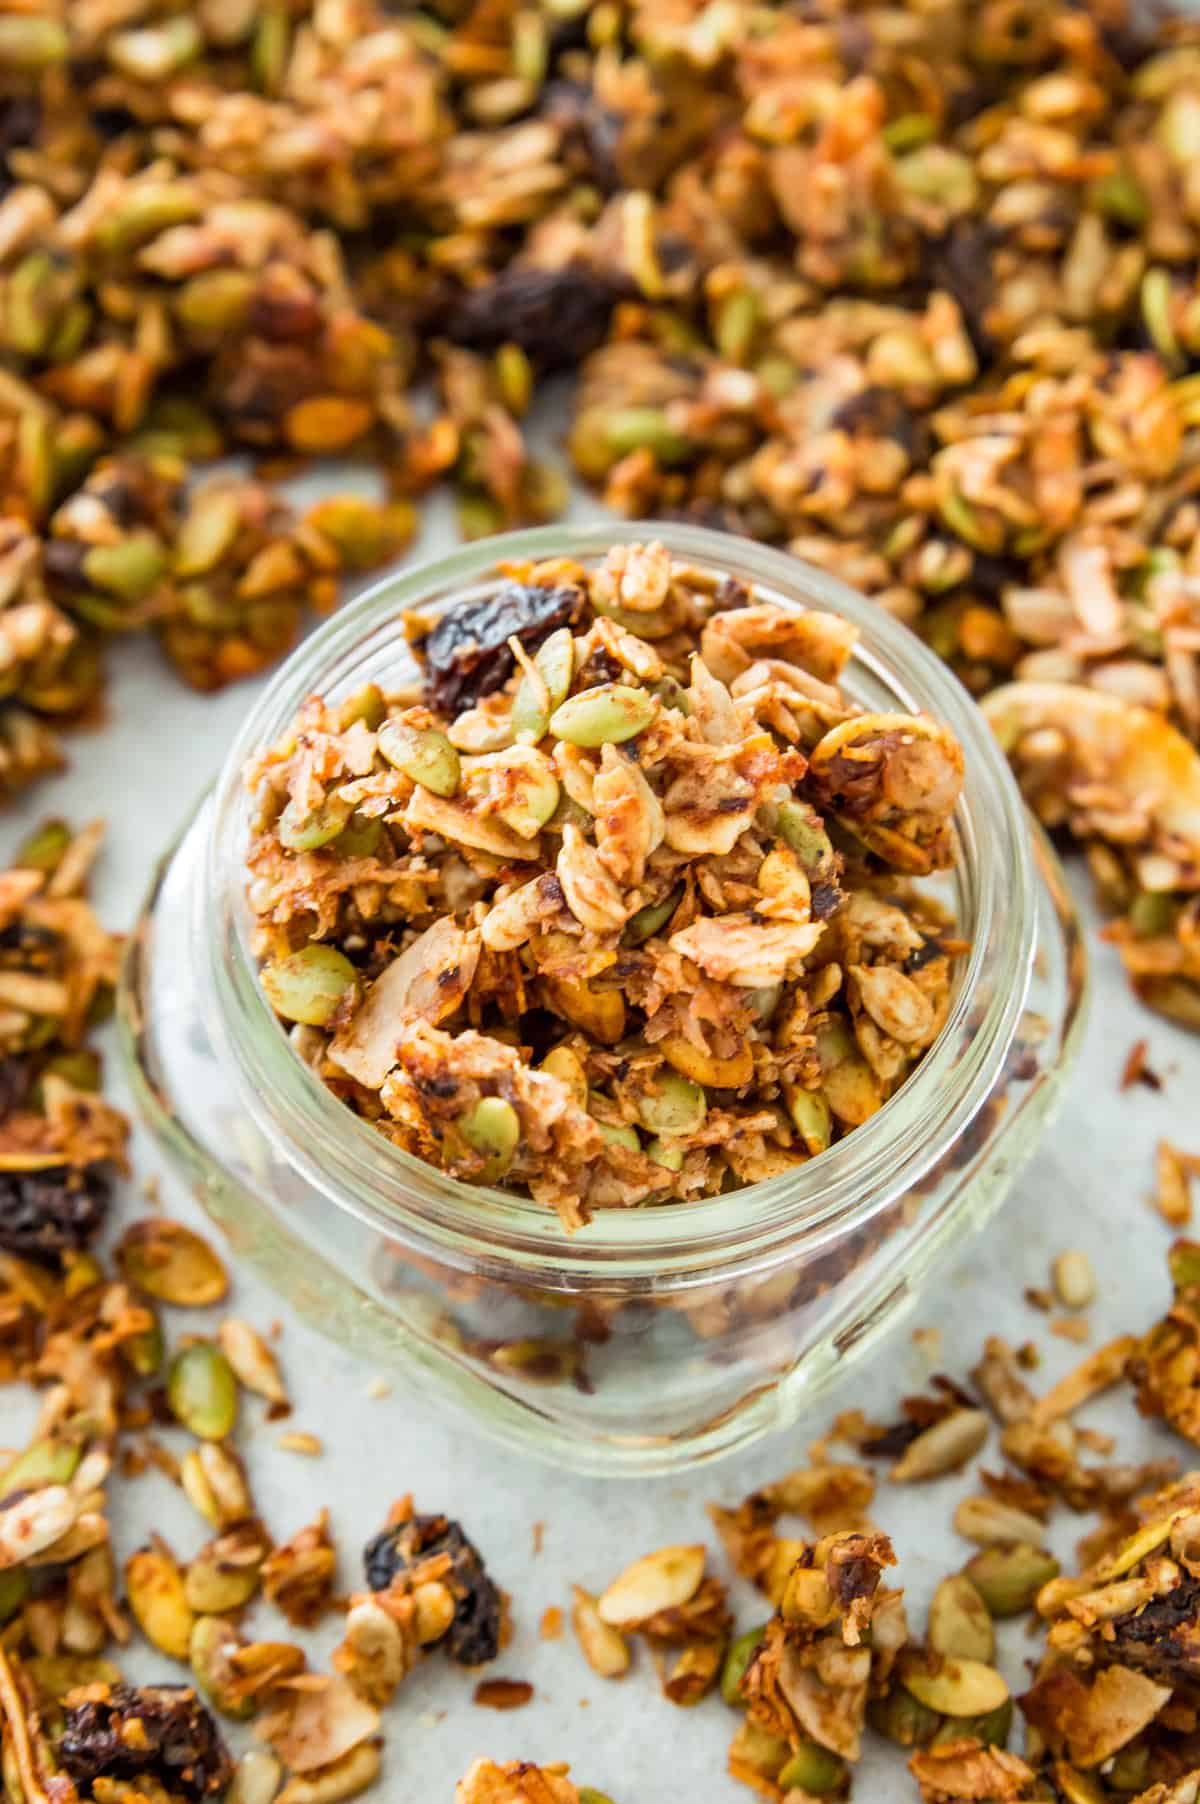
(621, 904)
(679, 1609)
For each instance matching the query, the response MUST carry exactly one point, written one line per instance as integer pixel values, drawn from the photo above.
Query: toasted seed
(991, 1730)
(202, 1390)
(955, 1687)
(169, 1262)
(605, 715)
(900, 1718)
(492, 1128)
(562, 1063)
(589, 1795)
(310, 985)
(423, 754)
(738, 1657)
(326, 423)
(43, 849)
(224, 1575)
(665, 1153)
(803, 832)
(729, 1073)
(992, 1523)
(256, 1779)
(959, 1623)
(658, 1581)
(343, 1778)
(1074, 1279)
(49, 1461)
(253, 1362)
(644, 429)
(1009, 1578)
(33, 1521)
(946, 1447)
(212, 1641)
(555, 664)
(532, 786)
(813, 1121)
(675, 1105)
(604, 1648)
(302, 831)
(814, 1769)
(209, 527)
(647, 921)
(159, 1601)
(129, 569)
(215, 1484)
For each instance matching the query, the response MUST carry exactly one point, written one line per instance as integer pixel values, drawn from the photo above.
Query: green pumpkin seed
(562, 1063)
(736, 325)
(960, 1624)
(309, 985)
(606, 715)
(225, 1573)
(675, 1105)
(209, 528)
(589, 1795)
(307, 832)
(147, 209)
(361, 837)
(217, 300)
(212, 1642)
(531, 786)
(1157, 297)
(628, 429)
(43, 849)
(955, 1687)
(814, 1769)
(256, 1779)
(900, 1718)
(1118, 195)
(367, 704)
(154, 1585)
(800, 828)
(1151, 913)
(647, 921)
(740, 1653)
(423, 754)
(14, 1589)
(1009, 1578)
(811, 1115)
(51, 1461)
(202, 1390)
(493, 1129)
(130, 569)
(991, 1730)
(555, 664)
(620, 1134)
(1183, 1263)
(168, 1261)
(1130, 1769)
(664, 1153)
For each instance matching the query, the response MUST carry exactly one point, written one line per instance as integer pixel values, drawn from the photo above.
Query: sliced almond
(658, 1581)
(604, 1648)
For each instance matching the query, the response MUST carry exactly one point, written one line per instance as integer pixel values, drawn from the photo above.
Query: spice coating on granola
(620, 905)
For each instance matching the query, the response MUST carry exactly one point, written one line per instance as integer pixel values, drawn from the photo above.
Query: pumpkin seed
(644, 429)
(801, 829)
(705, 1068)
(995, 1524)
(32, 41)
(256, 1779)
(1079, 1788)
(1074, 1280)
(129, 569)
(208, 528)
(1183, 1263)
(302, 831)
(310, 985)
(555, 665)
(606, 715)
(367, 704)
(14, 1589)
(530, 786)
(589, 1795)
(647, 921)
(212, 1642)
(169, 1262)
(741, 1651)
(1009, 1578)
(202, 1390)
(955, 1687)
(658, 1581)
(900, 1718)
(604, 1648)
(676, 1105)
(493, 1129)
(215, 1484)
(50, 1461)
(423, 754)
(810, 1114)
(992, 1730)
(960, 1625)
(620, 1134)
(42, 850)
(756, 1748)
(225, 1573)
(343, 1778)
(664, 1153)
(814, 1769)
(158, 1599)
(144, 1352)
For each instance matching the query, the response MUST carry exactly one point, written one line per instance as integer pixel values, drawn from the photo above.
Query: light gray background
(1088, 1187)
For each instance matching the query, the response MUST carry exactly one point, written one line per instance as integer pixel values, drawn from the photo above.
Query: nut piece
(960, 1625)
(658, 1581)
(604, 1648)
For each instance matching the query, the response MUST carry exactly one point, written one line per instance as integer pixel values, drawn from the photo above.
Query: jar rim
(825, 1198)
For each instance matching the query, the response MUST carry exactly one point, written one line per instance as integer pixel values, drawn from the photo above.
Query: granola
(623, 903)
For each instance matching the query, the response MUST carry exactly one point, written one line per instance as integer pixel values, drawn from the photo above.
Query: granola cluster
(621, 903)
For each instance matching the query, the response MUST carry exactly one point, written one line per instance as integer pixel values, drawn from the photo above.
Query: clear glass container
(655, 1337)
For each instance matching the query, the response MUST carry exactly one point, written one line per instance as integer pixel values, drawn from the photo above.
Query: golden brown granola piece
(962, 1772)
(298, 1575)
(519, 1782)
(1164, 1367)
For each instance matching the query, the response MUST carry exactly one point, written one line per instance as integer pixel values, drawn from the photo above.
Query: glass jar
(654, 1337)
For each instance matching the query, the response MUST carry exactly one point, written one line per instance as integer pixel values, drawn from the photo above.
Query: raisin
(557, 316)
(474, 1633)
(46, 1213)
(961, 263)
(591, 133)
(160, 1732)
(466, 654)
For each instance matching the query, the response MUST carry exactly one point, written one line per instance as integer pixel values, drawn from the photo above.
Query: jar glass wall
(653, 1337)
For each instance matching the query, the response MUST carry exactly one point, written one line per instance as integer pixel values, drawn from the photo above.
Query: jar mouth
(843, 1187)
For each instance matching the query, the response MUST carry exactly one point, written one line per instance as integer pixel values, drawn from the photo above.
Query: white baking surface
(1087, 1187)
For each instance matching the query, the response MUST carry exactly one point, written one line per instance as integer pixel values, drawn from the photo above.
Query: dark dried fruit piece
(161, 1732)
(466, 654)
(557, 316)
(46, 1213)
(474, 1634)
